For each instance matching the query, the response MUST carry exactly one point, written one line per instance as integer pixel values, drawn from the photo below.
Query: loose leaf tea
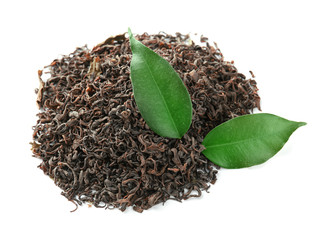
(248, 140)
(162, 98)
(93, 142)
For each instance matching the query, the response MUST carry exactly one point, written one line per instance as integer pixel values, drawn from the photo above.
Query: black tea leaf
(93, 142)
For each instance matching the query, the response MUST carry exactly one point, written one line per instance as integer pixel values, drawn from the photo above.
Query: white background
(285, 43)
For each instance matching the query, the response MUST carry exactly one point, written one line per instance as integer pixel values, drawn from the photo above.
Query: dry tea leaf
(40, 90)
(111, 157)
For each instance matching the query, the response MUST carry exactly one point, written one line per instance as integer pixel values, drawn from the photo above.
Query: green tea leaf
(248, 140)
(159, 92)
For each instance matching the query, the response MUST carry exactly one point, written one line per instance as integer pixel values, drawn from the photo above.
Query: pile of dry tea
(97, 148)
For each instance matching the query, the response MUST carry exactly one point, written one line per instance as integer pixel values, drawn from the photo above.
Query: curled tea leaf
(40, 90)
(248, 140)
(110, 40)
(159, 92)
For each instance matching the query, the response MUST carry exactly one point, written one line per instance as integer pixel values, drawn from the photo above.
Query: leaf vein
(232, 143)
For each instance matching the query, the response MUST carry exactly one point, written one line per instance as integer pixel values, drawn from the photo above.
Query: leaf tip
(300, 124)
(130, 32)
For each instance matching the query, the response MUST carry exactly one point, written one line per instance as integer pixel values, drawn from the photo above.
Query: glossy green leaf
(248, 140)
(159, 92)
